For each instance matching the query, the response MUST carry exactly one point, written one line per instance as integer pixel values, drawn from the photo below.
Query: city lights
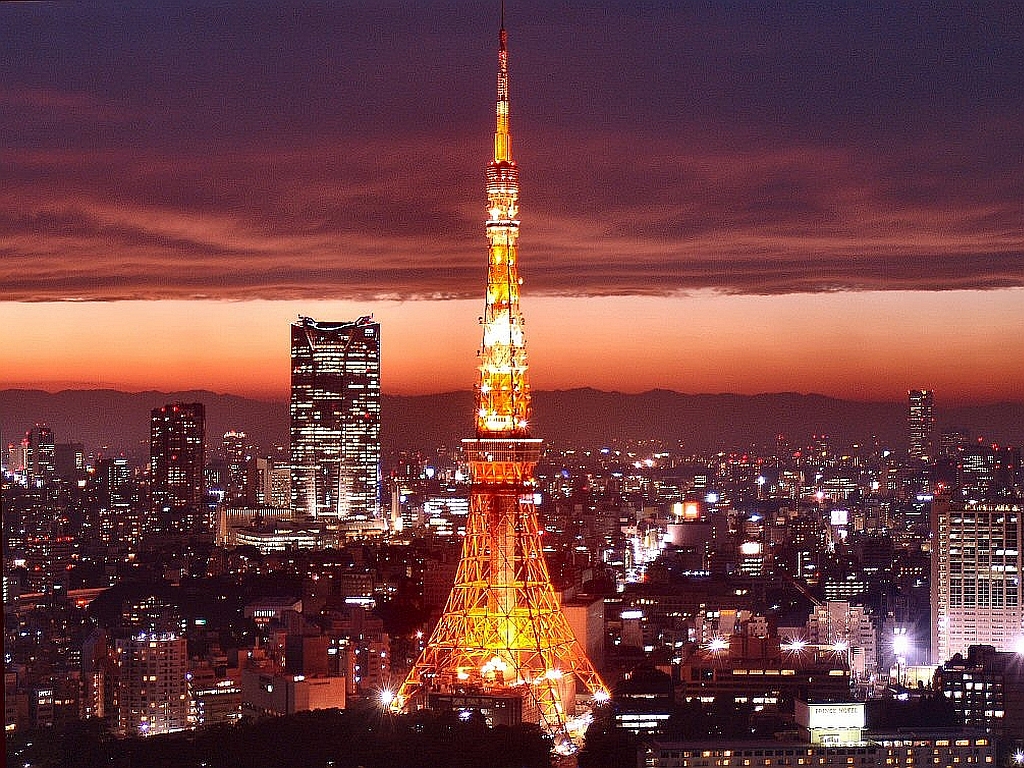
(718, 645)
(322, 571)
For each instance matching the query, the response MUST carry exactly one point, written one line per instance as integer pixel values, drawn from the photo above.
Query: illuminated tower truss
(503, 631)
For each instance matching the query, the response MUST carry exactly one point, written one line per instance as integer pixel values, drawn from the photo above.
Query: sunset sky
(715, 197)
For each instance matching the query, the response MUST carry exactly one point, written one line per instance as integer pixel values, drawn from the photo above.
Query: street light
(718, 644)
(795, 645)
(901, 649)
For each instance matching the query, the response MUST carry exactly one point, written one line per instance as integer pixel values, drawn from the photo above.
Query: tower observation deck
(503, 633)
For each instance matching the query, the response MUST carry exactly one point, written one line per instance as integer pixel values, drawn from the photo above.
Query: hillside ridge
(111, 422)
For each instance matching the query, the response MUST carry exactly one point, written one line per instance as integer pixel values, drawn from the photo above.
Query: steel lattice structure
(503, 631)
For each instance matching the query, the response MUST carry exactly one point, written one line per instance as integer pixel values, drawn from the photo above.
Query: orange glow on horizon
(861, 346)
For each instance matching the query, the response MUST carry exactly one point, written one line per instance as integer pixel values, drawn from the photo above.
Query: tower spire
(502, 139)
(503, 393)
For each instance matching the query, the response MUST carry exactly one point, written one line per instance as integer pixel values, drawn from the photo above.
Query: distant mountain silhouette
(111, 422)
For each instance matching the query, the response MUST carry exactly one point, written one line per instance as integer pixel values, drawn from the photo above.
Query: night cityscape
(370, 561)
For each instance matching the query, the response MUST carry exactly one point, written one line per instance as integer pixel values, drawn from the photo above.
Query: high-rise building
(40, 455)
(503, 644)
(273, 482)
(119, 521)
(177, 457)
(335, 419)
(921, 424)
(986, 472)
(153, 684)
(977, 597)
(986, 688)
(69, 461)
(241, 469)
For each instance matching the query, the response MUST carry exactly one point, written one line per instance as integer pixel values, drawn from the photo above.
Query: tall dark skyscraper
(335, 419)
(177, 458)
(921, 424)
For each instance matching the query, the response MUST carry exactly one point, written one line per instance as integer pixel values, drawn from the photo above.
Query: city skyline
(730, 199)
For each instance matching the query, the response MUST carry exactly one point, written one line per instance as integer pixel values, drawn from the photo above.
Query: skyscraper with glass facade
(335, 419)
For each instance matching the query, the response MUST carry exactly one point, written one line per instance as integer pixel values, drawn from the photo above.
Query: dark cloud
(336, 149)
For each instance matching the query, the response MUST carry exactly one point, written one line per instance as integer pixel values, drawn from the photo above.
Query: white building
(976, 567)
(153, 695)
(849, 627)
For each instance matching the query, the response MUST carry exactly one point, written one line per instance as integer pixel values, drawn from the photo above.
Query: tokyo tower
(503, 633)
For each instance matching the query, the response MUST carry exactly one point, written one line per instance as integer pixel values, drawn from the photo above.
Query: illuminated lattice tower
(503, 632)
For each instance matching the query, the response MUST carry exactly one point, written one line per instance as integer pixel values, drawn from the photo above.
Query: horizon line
(955, 402)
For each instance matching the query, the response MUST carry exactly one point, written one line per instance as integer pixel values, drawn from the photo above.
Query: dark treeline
(320, 739)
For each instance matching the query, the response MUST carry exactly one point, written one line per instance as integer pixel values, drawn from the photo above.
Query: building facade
(849, 627)
(830, 734)
(335, 419)
(986, 688)
(878, 750)
(177, 453)
(153, 694)
(976, 564)
(921, 424)
(40, 455)
(240, 488)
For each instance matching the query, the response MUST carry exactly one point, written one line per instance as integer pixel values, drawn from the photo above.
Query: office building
(240, 485)
(831, 735)
(934, 748)
(987, 472)
(69, 461)
(40, 455)
(121, 521)
(976, 564)
(921, 424)
(177, 458)
(848, 628)
(745, 669)
(272, 693)
(986, 688)
(335, 419)
(215, 695)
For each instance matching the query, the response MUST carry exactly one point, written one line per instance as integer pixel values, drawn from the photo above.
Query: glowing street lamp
(900, 644)
(795, 646)
(901, 649)
(718, 644)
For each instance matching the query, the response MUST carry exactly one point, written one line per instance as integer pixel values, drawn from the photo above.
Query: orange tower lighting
(503, 631)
